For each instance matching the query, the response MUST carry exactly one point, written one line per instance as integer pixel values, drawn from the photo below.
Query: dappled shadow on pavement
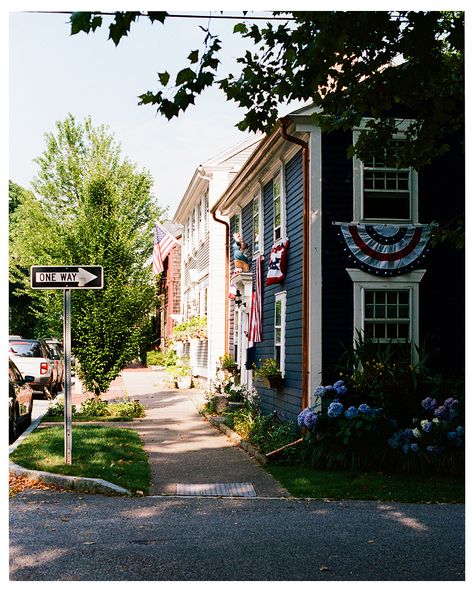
(90, 537)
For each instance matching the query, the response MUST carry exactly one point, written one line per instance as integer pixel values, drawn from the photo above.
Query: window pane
(392, 331)
(403, 330)
(380, 297)
(278, 354)
(379, 331)
(392, 297)
(392, 312)
(278, 312)
(403, 296)
(277, 336)
(387, 205)
(276, 186)
(380, 311)
(403, 312)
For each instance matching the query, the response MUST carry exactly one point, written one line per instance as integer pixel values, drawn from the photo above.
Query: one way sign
(82, 277)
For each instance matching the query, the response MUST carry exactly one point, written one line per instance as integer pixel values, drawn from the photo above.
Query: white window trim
(281, 296)
(281, 174)
(358, 190)
(258, 194)
(202, 216)
(410, 281)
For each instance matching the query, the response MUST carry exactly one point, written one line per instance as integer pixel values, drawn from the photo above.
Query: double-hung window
(384, 192)
(257, 223)
(387, 315)
(386, 311)
(279, 330)
(278, 206)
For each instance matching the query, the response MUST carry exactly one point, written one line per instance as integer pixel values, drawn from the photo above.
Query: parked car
(58, 356)
(34, 358)
(20, 398)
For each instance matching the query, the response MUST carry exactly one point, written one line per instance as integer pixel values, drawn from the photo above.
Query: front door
(245, 375)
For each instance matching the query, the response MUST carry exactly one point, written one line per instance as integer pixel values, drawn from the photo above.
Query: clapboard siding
(287, 400)
(441, 195)
(337, 295)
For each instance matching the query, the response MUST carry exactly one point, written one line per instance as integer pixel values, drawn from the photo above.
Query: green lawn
(105, 452)
(307, 483)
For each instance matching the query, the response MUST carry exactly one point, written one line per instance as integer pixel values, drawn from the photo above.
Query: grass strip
(114, 454)
(339, 485)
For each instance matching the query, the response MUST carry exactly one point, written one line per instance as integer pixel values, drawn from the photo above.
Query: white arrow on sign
(84, 276)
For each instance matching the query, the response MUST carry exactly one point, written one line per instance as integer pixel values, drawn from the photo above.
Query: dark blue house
(336, 246)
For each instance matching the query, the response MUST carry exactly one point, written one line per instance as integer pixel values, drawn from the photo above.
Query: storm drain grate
(216, 489)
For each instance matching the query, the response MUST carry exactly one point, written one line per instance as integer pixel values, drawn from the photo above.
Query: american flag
(163, 242)
(255, 330)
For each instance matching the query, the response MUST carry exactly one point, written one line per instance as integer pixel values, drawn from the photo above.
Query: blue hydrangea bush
(343, 431)
(436, 438)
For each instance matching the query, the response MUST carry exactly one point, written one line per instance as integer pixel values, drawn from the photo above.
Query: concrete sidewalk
(183, 448)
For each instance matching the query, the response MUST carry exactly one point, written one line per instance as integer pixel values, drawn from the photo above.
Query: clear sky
(53, 73)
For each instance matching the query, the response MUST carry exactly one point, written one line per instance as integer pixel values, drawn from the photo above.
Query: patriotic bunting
(277, 264)
(385, 249)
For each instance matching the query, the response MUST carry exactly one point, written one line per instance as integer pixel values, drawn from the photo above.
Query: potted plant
(181, 374)
(180, 332)
(268, 371)
(228, 364)
(197, 328)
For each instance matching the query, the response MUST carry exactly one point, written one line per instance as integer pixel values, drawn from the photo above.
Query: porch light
(238, 299)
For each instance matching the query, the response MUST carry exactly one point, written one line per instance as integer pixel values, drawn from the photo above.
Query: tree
(92, 208)
(21, 315)
(349, 64)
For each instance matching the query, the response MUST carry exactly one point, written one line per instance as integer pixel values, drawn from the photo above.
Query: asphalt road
(69, 536)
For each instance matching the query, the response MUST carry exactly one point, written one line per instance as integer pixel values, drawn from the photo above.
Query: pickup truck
(33, 357)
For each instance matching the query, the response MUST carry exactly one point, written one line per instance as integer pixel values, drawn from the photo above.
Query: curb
(249, 448)
(84, 484)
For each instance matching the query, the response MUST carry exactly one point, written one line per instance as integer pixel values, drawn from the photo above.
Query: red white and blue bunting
(385, 249)
(277, 263)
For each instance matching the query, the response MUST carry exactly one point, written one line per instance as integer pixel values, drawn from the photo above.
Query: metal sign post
(67, 277)
(67, 380)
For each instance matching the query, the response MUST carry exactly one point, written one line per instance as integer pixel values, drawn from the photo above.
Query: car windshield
(26, 349)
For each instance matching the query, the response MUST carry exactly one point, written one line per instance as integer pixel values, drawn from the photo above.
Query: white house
(204, 273)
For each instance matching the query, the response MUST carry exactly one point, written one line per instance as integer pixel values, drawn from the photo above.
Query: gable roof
(230, 160)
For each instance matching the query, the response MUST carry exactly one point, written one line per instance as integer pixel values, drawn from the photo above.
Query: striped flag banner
(255, 330)
(163, 242)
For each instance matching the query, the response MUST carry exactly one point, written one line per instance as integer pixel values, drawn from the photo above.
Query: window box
(273, 381)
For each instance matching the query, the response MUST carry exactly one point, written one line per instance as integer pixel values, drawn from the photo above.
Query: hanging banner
(277, 264)
(385, 249)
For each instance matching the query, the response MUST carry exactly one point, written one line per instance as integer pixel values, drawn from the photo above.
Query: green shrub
(127, 409)
(94, 407)
(266, 432)
(166, 357)
(57, 409)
